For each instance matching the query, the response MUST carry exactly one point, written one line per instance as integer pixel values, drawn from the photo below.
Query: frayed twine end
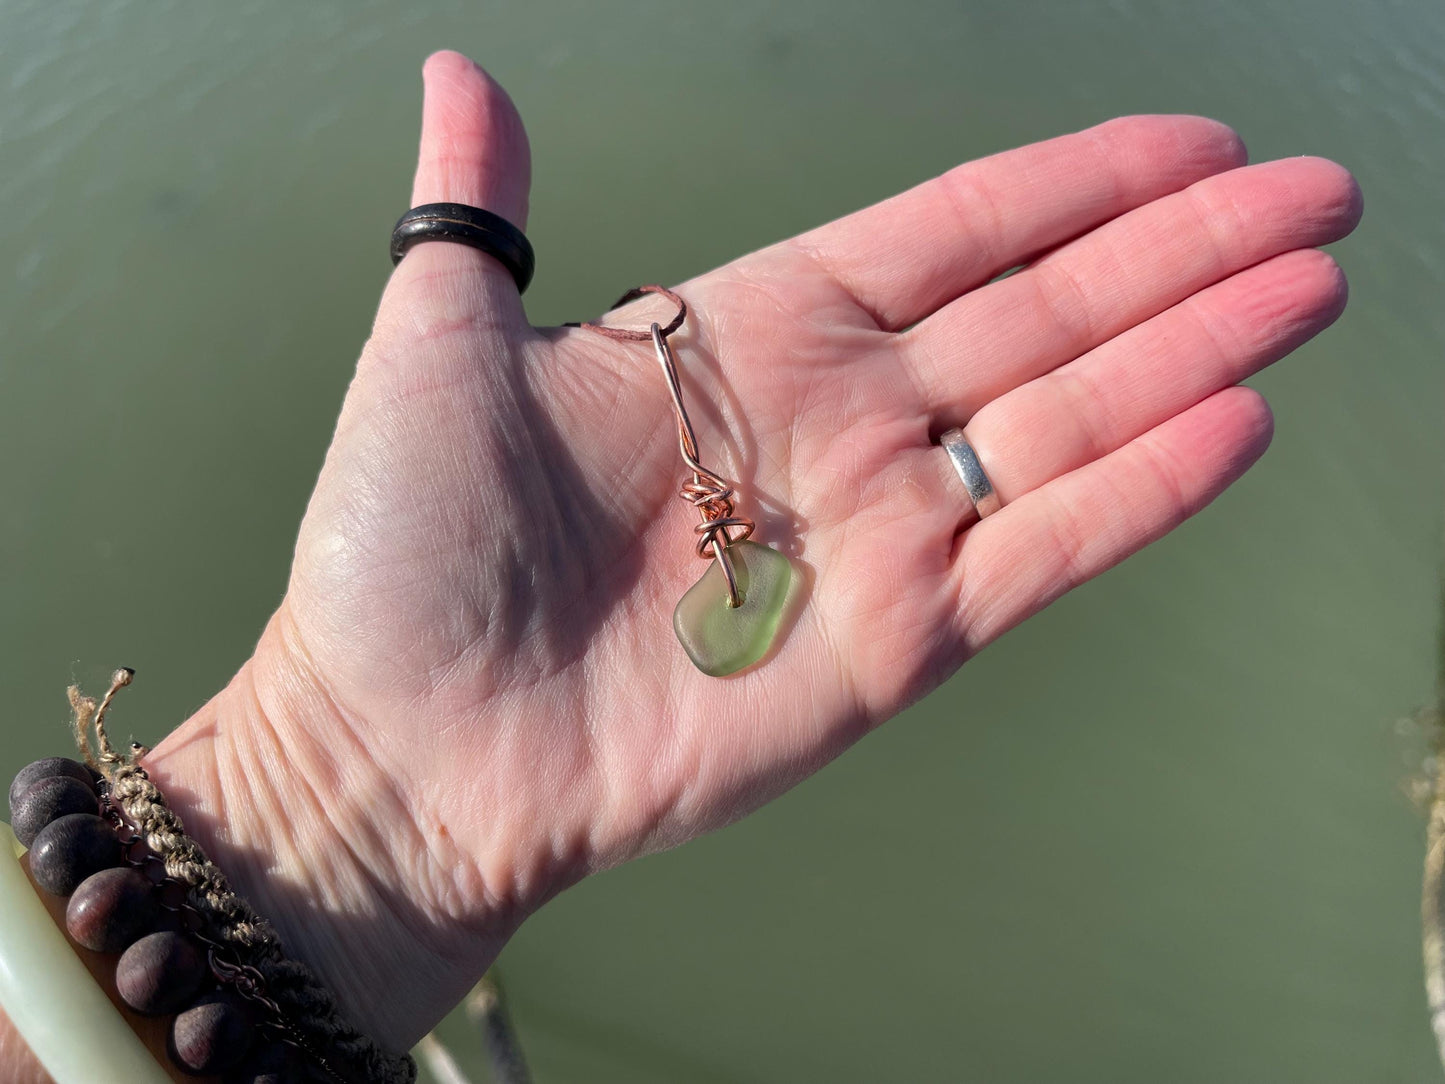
(89, 722)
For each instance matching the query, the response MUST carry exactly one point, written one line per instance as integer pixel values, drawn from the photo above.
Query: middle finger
(1015, 329)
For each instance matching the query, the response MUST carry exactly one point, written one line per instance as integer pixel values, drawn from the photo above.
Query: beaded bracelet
(46, 991)
(188, 947)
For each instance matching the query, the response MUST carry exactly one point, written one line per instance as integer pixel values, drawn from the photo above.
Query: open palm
(482, 594)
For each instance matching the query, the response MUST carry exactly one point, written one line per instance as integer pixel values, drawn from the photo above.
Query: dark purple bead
(112, 908)
(273, 1063)
(70, 849)
(33, 773)
(160, 973)
(213, 1035)
(47, 800)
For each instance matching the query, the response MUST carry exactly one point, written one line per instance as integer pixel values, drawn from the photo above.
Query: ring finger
(1100, 402)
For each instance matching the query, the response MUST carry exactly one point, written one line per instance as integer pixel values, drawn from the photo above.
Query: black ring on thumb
(481, 229)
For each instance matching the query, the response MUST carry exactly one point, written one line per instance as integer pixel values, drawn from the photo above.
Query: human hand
(471, 695)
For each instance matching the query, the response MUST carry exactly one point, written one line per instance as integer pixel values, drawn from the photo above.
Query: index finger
(906, 257)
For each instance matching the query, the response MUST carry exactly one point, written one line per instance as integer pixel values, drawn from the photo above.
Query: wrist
(310, 824)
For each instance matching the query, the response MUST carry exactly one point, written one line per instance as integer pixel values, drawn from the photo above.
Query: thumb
(473, 151)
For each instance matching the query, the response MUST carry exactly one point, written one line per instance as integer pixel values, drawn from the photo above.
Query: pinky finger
(1066, 532)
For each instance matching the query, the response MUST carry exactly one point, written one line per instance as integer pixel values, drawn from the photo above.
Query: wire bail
(706, 491)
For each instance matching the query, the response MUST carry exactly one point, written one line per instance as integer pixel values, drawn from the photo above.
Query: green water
(1160, 833)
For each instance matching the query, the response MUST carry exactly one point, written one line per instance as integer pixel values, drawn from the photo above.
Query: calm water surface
(1159, 833)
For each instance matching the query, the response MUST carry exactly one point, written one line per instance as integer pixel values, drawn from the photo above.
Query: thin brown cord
(307, 1009)
(622, 334)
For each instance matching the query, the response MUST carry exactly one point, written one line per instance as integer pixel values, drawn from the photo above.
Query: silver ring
(965, 460)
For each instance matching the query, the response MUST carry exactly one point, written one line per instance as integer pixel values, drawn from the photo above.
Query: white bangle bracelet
(51, 997)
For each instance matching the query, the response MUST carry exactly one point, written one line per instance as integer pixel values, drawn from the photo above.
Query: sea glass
(722, 639)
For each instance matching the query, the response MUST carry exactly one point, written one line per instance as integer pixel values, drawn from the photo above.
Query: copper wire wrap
(705, 490)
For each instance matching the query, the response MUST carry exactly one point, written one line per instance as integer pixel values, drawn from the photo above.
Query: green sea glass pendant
(730, 618)
(722, 639)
